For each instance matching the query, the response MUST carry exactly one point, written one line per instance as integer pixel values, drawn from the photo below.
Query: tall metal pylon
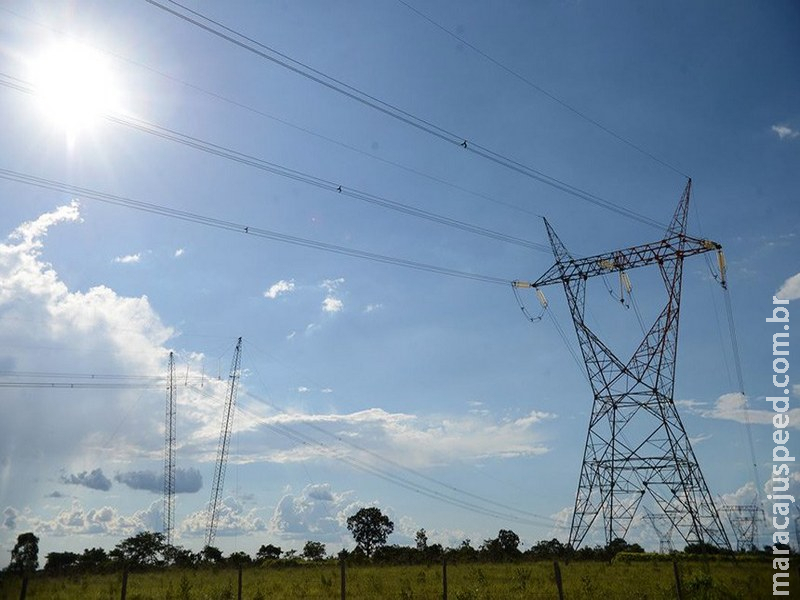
(224, 442)
(658, 523)
(636, 445)
(744, 520)
(169, 455)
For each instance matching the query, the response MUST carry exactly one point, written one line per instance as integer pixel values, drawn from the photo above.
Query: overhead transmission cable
(249, 230)
(258, 163)
(371, 469)
(527, 81)
(259, 49)
(392, 462)
(277, 119)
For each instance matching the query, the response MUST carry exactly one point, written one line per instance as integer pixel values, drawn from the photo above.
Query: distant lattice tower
(664, 529)
(224, 442)
(169, 455)
(636, 446)
(744, 520)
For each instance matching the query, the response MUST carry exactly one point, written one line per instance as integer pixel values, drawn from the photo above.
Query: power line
(542, 90)
(239, 227)
(251, 45)
(258, 163)
(277, 119)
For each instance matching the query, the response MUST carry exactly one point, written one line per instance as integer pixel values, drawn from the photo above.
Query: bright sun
(75, 85)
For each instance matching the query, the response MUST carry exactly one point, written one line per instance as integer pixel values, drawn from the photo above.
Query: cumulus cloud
(785, 132)
(316, 512)
(233, 519)
(278, 288)
(187, 481)
(129, 258)
(106, 520)
(332, 305)
(372, 307)
(94, 480)
(790, 290)
(179, 252)
(92, 331)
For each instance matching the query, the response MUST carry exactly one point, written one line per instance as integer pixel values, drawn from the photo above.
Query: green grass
(654, 580)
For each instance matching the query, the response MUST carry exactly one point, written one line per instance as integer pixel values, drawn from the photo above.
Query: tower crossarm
(669, 249)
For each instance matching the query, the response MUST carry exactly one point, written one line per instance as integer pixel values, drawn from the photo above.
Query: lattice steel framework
(169, 455)
(224, 442)
(664, 529)
(636, 445)
(744, 520)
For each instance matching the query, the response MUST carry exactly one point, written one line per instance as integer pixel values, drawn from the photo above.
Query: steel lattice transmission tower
(664, 528)
(224, 443)
(636, 445)
(169, 455)
(744, 520)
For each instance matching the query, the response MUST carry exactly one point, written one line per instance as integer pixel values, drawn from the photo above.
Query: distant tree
(701, 548)
(421, 539)
(145, 549)
(548, 549)
(180, 556)
(25, 554)
(370, 529)
(504, 547)
(61, 562)
(239, 558)
(211, 554)
(268, 552)
(313, 551)
(93, 559)
(290, 554)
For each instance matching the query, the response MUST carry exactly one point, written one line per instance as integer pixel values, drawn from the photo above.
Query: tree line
(369, 527)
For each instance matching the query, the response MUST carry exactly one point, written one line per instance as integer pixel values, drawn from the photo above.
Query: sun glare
(75, 86)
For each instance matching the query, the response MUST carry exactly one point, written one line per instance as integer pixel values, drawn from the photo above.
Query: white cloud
(233, 519)
(92, 331)
(416, 441)
(279, 287)
(790, 290)
(303, 389)
(332, 305)
(331, 285)
(129, 258)
(784, 132)
(106, 520)
(316, 512)
(372, 307)
(179, 252)
(733, 407)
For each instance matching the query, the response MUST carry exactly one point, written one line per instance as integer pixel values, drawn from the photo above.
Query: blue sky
(363, 382)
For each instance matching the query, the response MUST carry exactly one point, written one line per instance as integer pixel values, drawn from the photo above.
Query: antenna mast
(169, 456)
(224, 443)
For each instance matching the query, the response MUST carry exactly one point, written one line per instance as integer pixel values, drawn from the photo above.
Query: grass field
(581, 580)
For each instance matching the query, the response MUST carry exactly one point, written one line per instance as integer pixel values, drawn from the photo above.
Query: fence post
(343, 577)
(23, 591)
(444, 578)
(124, 592)
(559, 584)
(678, 587)
(239, 592)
